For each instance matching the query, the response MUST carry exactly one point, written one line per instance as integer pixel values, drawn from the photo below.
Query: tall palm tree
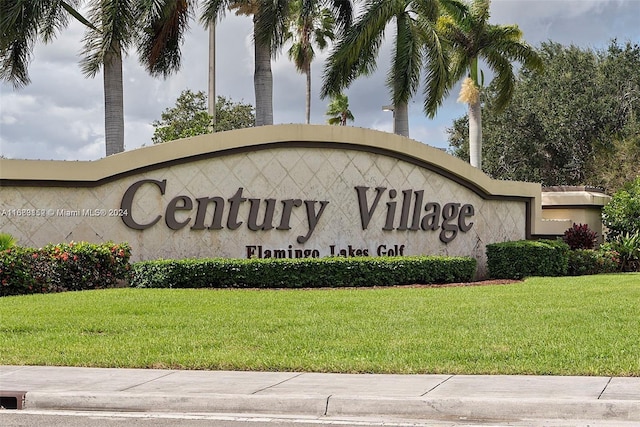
(309, 28)
(113, 31)
(338, 110)
(465, 27)
(417, 47)
(111, 27)
(165, 22)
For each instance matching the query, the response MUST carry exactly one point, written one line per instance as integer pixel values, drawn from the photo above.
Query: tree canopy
(189, 117)
(417, 51)
(308, 28)
(574, 124)
(338, 110)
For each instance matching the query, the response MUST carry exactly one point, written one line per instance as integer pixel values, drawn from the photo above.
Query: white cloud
(60, 114)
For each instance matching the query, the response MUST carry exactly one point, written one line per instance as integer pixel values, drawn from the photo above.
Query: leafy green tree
(568, 125)
(338, 110)
(306, 29)
(417, 48)
(233, 115)
(190, 117)
(621, 215)
(466, 28)
(613, 165)
(111, 27)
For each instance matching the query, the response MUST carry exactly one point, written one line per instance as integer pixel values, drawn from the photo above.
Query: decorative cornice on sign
(94, 173)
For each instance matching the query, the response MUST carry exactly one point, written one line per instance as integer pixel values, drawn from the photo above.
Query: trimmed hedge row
(524, 258)
(301, 272)
(63, 267)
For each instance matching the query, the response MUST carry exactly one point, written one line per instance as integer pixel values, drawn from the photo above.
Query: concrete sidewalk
(431, 397)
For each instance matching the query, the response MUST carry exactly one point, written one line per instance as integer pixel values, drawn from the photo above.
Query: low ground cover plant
(301, 272)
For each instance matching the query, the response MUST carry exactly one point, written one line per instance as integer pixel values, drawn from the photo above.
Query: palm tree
(416, 48)
(470, 36)
(164, 26)
(338, 110)
(314, 27)
(165, 22)
(114, 30)
(111, 27)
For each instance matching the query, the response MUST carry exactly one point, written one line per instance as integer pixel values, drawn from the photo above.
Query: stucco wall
(315, 165)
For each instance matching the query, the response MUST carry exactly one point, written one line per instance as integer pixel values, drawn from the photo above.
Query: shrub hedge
(583, 262)
(523, 258)
(63, 267)
(301, 272)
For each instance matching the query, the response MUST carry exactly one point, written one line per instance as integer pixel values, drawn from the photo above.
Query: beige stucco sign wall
(278, 191)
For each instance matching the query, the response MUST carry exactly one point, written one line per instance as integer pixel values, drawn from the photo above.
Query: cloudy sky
(60, 114)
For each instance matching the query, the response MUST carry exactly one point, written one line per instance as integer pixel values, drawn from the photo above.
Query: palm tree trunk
(475, 135)
(308, 104)
(262, 81)
(113, 101)
(212, 75)
(401, 119)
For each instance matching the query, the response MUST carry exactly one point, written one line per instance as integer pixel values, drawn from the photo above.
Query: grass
(586, 325)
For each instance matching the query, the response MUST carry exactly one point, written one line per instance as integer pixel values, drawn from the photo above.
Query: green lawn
(563, 326)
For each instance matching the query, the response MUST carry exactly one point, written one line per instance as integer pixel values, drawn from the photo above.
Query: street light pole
(393, 110)
(212, 74)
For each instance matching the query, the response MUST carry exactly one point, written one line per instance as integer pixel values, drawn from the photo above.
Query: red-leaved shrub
(580, 236)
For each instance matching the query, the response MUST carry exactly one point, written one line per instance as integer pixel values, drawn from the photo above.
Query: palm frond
(52, 20)
(164, 24)
(403, 77)
(356, 52)
(343, 11)
(21, 23)
(437, 81)
(270, 21)
(479, 10)
(115, 24)
(214, 10)
(14, 61)
(457, 9)
(504, 79)
(70, 7)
